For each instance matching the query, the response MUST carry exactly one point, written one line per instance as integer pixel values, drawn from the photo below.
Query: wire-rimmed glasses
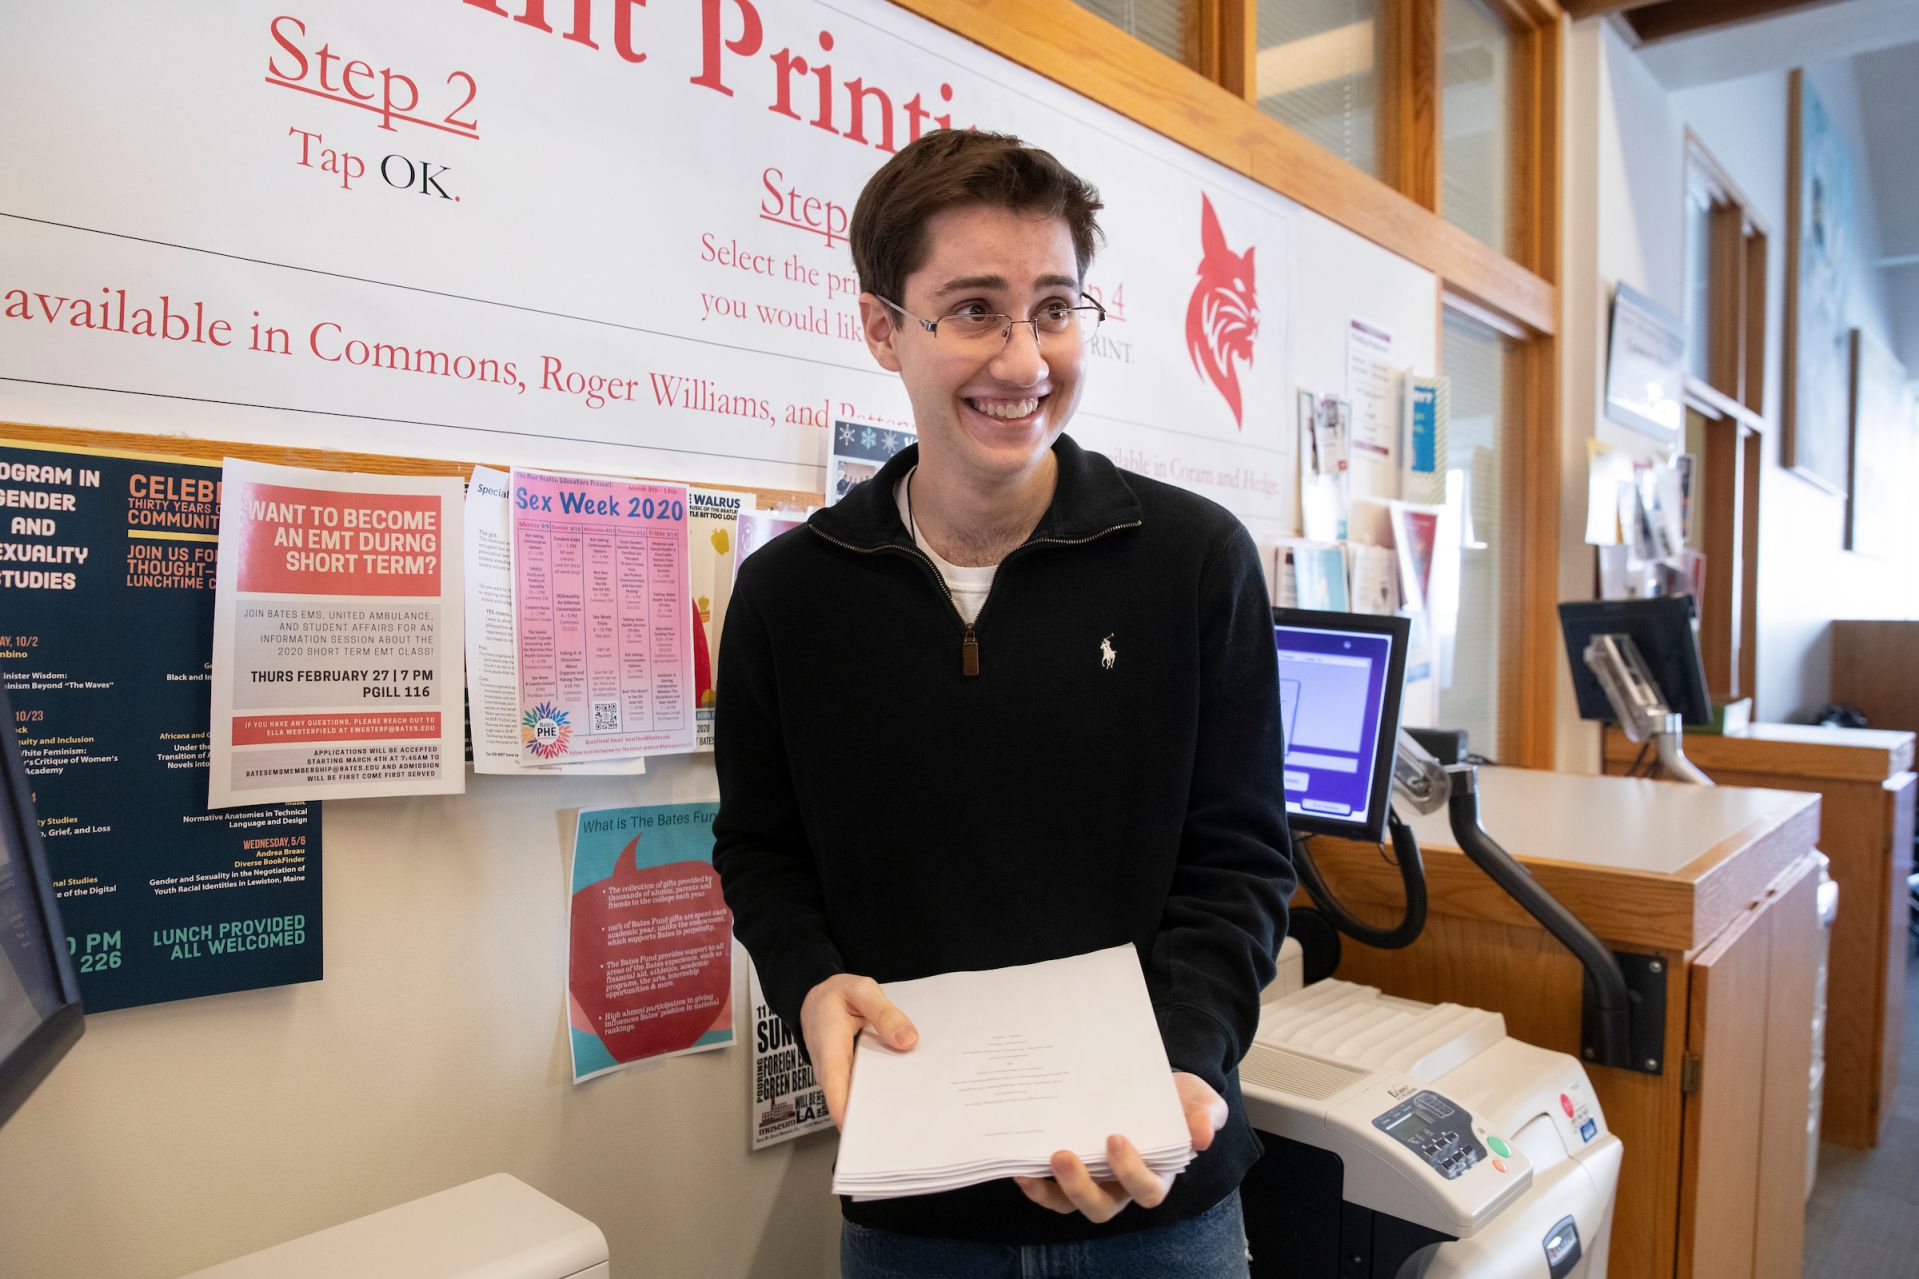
(1055, 321)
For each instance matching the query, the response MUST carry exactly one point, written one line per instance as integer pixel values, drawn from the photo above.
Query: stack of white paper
(1011, 1065)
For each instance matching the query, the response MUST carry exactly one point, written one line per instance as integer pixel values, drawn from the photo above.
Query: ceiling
(1879, 40)
(1802, 37)
(1888, 81)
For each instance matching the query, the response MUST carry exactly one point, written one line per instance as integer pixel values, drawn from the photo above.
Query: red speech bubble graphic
(652, 956)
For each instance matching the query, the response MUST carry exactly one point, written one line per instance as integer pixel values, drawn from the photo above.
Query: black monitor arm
(1612, 1020)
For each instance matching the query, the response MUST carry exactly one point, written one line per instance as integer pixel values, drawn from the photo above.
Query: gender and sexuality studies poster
(106, 643)
(650, 965)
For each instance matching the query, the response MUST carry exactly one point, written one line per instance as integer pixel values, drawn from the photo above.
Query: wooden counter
(1718, 885)
(1865, 780)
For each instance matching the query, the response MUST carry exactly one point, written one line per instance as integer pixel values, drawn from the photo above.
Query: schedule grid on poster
(602, 605)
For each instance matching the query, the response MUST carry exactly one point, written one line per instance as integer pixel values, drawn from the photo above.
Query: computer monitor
(40, 1015)
(1661, 629)
(1341, 676)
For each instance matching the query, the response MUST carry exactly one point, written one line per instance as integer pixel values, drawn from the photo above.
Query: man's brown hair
(949, 168)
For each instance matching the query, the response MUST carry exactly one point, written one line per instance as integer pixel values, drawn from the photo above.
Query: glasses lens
(1055, 321)
(1068, 324)
(971, 325)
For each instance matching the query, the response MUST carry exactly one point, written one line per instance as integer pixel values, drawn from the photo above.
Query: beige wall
(1624, 189)
(1806, 577)
(434, 1052)
(1622, 153)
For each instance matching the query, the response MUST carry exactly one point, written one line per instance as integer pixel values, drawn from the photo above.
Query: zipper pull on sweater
(969, 652)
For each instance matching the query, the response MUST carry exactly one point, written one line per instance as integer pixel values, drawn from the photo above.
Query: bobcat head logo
(1223, 317)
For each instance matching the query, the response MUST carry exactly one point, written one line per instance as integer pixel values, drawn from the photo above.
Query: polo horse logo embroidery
(1223, 317)
(1106, 654)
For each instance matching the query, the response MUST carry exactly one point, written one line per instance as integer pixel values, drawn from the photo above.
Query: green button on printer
(1500, 1148)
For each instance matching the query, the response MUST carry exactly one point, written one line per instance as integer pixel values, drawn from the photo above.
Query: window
(1476, 117)
(1725, 321)
(1432, 128)
(1484, 367)
(1698, 294)
(1317, 72)
(1725, 283)
(1171, 26)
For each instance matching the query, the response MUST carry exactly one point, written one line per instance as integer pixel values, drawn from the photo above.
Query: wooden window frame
(1084, 52)
(1736, 281)
(1525, 503)
(1209, 107)
(1730, 400)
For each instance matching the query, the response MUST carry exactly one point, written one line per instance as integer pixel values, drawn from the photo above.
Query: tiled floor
(1863, 1219)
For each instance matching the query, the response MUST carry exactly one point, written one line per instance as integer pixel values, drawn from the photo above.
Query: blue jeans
(1209, 1246)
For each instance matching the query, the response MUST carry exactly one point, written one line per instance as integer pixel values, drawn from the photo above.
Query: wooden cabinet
(1874, 667)
(1717, 885)
(1865, 780)
(1742, 1174)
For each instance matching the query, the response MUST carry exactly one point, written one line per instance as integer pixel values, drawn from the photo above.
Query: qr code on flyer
(606, 717)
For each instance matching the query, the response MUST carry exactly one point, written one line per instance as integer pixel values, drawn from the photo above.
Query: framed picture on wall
(1883, 457)
(1819, 249)
(1646, 366)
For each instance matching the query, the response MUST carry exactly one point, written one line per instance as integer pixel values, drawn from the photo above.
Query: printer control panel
(1436, 1130)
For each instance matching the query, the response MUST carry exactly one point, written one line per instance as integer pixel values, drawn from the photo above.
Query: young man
(1007, 703)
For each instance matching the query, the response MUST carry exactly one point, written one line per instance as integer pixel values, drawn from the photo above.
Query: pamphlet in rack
(1285, 576)
(1325, 473)
(1319, 572)
(1370, 387)
(1375, 579)
(1428, 412)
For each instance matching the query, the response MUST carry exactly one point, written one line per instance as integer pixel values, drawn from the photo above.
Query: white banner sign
(600, 235)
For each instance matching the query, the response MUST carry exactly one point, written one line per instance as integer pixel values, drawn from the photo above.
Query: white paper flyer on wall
(337, 638)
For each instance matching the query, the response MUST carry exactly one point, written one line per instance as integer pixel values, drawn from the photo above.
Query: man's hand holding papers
(1072, 1189)
(834, 1013)
(1023, 1073)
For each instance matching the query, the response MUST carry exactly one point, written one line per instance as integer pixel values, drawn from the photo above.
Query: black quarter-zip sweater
(902, 795)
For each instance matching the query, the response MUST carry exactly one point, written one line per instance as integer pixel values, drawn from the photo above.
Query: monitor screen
(1339, 691)
(1662, 629)
(29, 990)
